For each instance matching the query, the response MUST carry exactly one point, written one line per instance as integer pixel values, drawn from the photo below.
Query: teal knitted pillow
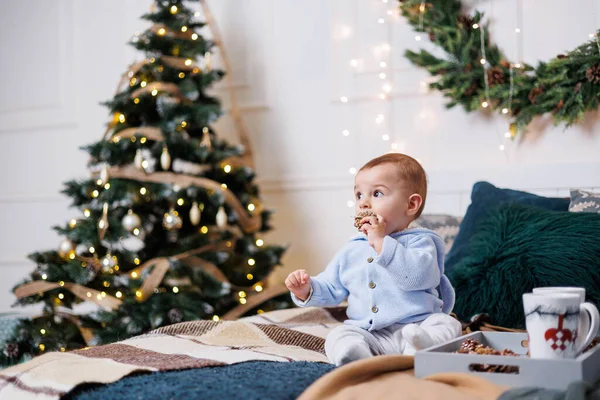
(517, 248)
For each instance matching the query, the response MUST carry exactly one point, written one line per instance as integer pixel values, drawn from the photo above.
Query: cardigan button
(370, 259)
(374, 309)
(372, 285)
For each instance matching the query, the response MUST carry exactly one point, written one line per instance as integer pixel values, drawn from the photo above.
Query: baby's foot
(416, 337)
(350, 354)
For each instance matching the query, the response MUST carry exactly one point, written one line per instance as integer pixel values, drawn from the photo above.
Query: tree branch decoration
(476, 74)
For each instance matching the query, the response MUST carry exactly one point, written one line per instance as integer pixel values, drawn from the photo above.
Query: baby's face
(381, 190)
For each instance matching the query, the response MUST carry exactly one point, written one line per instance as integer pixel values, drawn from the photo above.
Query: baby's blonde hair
(410, 171)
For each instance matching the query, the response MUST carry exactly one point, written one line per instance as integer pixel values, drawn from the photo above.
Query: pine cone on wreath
(465, 21)
(534, 93)
(577, 87)
(561, 56)
(560, 105)
(471, 90)
(593, 74)
(495, 76)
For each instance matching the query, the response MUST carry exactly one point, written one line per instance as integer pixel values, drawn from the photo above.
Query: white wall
(61, 58)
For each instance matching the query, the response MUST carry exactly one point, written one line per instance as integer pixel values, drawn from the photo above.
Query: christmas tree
(170, 219)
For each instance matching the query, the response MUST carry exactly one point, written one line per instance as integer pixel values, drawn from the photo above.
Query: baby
(389, 273)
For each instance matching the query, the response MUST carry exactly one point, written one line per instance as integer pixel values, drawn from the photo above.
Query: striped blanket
(282, 336)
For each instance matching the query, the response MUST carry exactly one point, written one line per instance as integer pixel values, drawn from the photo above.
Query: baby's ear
(414, 204)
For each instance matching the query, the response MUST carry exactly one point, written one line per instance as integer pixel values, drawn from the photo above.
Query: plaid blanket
(282, 336)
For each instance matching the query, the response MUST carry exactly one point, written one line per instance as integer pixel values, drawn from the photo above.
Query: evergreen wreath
(566, 86)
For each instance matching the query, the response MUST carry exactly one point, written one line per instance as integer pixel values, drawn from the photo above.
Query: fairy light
(138, 294)
(344, 99)
(346, 132)
(173, 10)
(72, 223)
(180, 201)
(136, 231)
(195, 36)
(134, 274)
(44, 276)
(175, 289)
(161, 32)
(143, 191)
(382, 75)
(243, 300)
(61, 296)
(250, 277)
(42, 347)
(136, 261)
(204, 230)
(89, 294)
(184, 29)
(227, 168)
(86, 213)
(251, 261)
(350, 203)
(259, 242)
(224, 185)
(258, 288)
(251, 207)
(241, 294)
(421, 16)
(107, 186)
(119, 295)
(92, 249)
(385, 137)
(381, 20)
(383, 64)
(143, 84)
(354, 63)
(215, 318)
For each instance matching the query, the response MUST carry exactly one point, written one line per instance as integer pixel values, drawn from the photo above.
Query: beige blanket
(281, 336)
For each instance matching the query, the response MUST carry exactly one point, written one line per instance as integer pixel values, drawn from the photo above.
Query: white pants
(347, 343)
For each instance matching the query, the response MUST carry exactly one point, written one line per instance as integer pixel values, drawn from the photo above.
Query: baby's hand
(298, 282)
(374, 228)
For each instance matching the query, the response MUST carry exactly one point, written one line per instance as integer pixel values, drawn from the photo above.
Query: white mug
(552, 320)
(585, 322)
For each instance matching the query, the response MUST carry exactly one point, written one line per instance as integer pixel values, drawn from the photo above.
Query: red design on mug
(559, 338)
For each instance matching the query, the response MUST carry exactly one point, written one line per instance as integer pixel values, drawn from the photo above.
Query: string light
(161, 32)
(227, 168)
(184, 29)
(180, 201)
(138, 294)
(354, 63)
(385, 137)
(43, 331)
(143, 191)
(259, 242)
(346, 132)
(224, 185)
(381, 20)
(383, 64)
(215, 318)
(251, 261)
(258, 288)
(243, 300)
(119, 295)
(44, 276)
(241, 293)
(173, 10)
(86, 213)
(250, 277)
(92, 249)
(72, 223)
(136, 261)
(352, 170)
(251, 207)
(61, 296)
(42, 347)
(204, 230)
(344, 99)
(154, 92)
(195, 36)
(107, 186)
(143, 84)
(175, 289)
(134, 274)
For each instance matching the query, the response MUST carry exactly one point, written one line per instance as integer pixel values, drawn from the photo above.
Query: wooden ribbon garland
(255, 300)
(84, 293)
(239, 122)
(249, 224)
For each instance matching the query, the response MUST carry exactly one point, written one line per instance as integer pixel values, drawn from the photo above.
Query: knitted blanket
(280, 336)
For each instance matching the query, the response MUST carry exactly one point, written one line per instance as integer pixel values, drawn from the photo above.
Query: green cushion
(517, 248)
(485, 198)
